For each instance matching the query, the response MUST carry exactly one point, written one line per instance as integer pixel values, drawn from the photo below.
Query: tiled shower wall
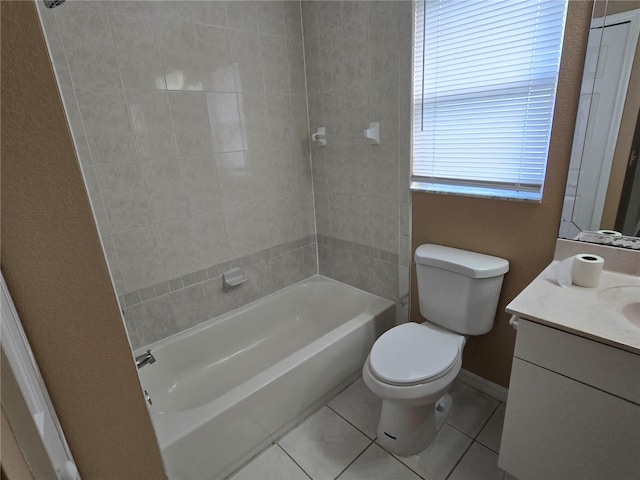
(190, 122)
(358, 64)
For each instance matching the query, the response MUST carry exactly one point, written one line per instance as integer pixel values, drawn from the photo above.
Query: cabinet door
(557, 428)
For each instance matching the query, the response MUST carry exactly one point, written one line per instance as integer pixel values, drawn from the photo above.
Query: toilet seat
(412, 353)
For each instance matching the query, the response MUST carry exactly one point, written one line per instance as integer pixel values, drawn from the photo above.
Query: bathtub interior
(201, 364)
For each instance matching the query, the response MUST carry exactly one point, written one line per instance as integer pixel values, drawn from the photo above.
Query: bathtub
(225, 389)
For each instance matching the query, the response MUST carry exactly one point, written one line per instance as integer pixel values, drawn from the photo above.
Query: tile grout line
(372, 442)
(353, 461)
(349, 422)
(330, 408)
(459, 460)
(460, 431)
(400, 461)
(296, 425)
(483, 427)
(486, 422)
(293, 460)
(248, 462)
(473, 440)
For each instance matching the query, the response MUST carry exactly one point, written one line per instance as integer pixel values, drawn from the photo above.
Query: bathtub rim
(172, 426)
(315, 278)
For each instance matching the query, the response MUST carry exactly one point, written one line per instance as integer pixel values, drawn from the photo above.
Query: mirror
(602, 199)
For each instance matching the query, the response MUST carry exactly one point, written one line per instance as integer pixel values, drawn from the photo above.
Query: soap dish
(233, 279)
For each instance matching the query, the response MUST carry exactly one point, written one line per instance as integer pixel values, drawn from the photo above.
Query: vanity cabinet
(573, 410)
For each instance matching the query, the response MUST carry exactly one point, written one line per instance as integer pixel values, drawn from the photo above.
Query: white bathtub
(225, 389)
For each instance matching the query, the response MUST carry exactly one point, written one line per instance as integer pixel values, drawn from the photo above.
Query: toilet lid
(412, 353)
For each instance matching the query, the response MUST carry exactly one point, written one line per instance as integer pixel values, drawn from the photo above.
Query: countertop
(608, 314)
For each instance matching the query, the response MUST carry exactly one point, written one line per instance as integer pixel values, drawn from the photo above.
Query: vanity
(573, 410)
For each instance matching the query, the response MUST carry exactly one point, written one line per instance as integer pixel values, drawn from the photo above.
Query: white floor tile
(437, 461)
(491, 434)
(377, 464)
(479, 463)
(272, 464)
(360, 406)
(324, 444)
(471, 409)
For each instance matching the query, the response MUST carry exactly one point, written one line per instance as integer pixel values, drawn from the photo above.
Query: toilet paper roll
(612, 233)
(586, 270)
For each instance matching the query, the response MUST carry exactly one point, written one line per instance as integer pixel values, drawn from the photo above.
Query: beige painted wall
(523, 233)
(54, 266)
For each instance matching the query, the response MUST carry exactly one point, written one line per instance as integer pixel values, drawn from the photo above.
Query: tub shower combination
(223, 390)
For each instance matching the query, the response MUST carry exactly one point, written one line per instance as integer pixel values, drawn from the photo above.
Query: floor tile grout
(459, 460)
(373, 441)
(293, 460)
(485, 423)
(350, 423)
(460, 431)
(401, 462)
(474, 439)
(246, 464)
(490, 417)
(357, 457)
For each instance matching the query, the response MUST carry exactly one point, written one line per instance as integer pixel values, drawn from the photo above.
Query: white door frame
(25, 369)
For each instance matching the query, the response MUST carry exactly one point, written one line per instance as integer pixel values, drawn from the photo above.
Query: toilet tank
(458, 289)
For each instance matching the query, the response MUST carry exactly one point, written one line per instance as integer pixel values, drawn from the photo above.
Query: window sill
(478, 192)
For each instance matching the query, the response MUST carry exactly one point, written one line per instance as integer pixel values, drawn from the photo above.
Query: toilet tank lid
(470, 264)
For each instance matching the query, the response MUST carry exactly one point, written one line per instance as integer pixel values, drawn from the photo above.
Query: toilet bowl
(412, 366)
(414, 405)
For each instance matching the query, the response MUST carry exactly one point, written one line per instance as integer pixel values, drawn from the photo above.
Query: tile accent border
(359, 249)
(157, 312)
(370, 269)
(136, 297)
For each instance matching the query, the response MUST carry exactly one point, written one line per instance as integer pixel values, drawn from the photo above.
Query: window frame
(525, 191)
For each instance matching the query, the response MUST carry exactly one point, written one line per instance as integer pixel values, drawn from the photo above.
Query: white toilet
(412, 366)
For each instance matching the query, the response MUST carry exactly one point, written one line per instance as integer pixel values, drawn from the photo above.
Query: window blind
(485, 81)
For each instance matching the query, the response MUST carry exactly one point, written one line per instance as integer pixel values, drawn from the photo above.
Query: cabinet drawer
(601, 366)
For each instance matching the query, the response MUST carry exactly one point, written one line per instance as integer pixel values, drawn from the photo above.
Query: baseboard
(482, 384)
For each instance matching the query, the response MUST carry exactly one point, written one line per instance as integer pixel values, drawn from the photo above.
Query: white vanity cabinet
(573, 410)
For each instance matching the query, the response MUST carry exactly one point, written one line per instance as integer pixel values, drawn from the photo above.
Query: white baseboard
(482, 384)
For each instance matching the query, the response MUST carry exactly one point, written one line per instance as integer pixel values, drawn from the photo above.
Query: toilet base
(407, 430)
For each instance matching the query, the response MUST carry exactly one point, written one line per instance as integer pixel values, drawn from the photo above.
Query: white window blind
(484, 91)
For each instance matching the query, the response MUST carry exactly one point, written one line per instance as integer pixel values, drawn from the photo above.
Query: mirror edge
(568, 229)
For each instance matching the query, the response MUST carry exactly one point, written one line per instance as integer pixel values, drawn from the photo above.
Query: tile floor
(339, 442)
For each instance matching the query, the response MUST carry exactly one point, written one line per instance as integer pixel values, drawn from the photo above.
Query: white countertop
(609, 314)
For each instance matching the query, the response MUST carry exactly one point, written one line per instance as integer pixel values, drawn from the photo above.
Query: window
(484, 90)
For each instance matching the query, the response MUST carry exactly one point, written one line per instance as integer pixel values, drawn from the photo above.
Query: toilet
(412, 366)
